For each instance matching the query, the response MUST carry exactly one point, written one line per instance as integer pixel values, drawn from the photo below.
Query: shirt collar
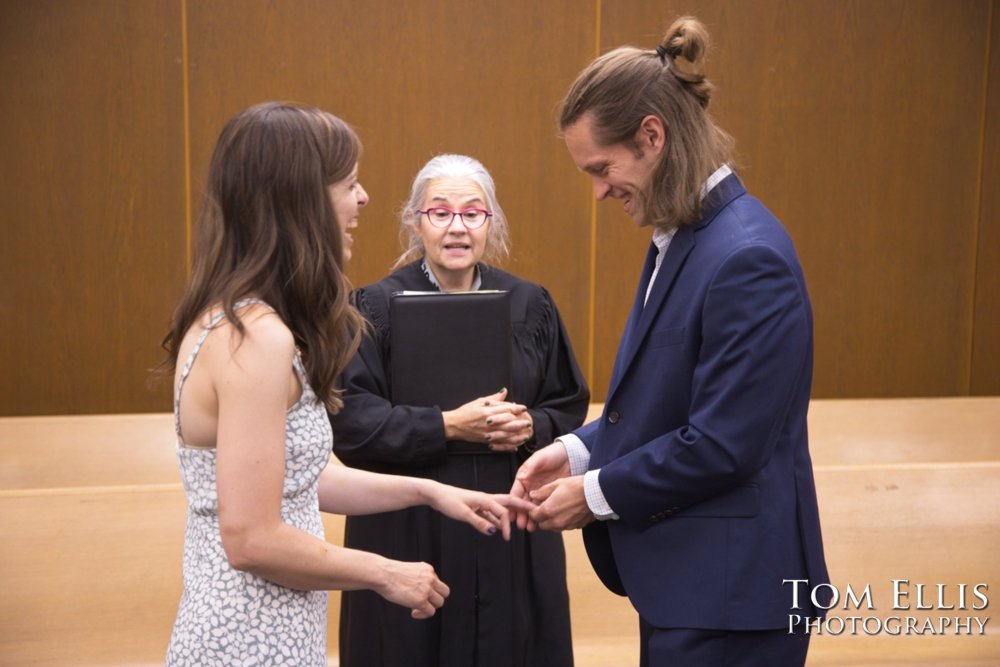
(715, 179)
(477, 280)
(662, 237)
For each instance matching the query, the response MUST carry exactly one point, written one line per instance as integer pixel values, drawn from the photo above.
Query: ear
(651, 135)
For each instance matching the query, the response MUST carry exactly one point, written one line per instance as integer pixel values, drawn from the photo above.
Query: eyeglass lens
(443, 217)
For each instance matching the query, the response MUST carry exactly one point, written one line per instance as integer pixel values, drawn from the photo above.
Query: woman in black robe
(509, 606)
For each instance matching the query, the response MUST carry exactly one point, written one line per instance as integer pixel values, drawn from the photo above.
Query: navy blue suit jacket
(702, 447)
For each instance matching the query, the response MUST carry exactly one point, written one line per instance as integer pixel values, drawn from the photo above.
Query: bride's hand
(483, 511)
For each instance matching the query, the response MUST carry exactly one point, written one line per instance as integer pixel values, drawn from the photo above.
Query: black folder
(447, 348)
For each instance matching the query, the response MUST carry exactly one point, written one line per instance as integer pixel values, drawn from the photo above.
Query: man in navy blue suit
(695, 488)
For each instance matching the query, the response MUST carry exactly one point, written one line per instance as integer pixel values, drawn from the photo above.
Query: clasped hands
(416, 584)
(544, 495)
(545, 480)
(502, 425)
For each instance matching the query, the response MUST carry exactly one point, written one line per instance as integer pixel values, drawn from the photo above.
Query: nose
(362, 196)
(601, 189)
(457, 220)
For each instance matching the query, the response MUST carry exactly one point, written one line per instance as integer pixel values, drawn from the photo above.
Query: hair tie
(661, 51)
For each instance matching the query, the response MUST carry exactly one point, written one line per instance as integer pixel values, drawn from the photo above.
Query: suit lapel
(642, 317)
(635, 314)
(677, 252)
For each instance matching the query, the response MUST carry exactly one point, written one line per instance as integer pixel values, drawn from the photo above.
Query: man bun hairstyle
(620, 88)
(687, 40)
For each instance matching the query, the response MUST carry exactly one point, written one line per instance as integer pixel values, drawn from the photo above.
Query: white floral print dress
(227, 617)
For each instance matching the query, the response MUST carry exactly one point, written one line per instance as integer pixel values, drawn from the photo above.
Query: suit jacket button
(614, 416)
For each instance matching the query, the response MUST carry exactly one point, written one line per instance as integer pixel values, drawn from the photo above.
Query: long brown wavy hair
(623, 86)
(267, 229)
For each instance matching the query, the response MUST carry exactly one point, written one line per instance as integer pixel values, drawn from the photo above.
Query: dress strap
(300, 370)
(214, 322)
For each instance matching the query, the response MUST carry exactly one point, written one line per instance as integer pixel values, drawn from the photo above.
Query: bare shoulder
(265, 339)
(265, 327)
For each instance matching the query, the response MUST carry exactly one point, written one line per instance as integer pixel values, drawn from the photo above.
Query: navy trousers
(683, 647)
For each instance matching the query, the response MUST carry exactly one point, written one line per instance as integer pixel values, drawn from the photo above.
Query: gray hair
(452, 167)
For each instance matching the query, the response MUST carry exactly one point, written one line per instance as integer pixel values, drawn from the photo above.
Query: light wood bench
(93, 513)
(909, 489)
(90, 567)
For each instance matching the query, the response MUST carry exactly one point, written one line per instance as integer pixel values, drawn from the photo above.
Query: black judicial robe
(509, 605)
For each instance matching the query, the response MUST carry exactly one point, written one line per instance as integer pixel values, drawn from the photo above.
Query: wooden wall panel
(876, 147)
(417, 79)
(91, 185)
(863, 135)
(986, 325)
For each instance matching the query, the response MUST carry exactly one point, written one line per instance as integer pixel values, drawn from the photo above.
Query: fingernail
(489, 421)
(492, 530)
(488, 437)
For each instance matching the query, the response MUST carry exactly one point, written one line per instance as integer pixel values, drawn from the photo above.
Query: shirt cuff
(596, 501)
(579, 455)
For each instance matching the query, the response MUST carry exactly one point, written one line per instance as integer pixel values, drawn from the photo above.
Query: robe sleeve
(562, 398)
(369, 432)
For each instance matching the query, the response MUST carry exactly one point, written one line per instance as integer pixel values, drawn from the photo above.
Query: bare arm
(251, 382)
(351, 491)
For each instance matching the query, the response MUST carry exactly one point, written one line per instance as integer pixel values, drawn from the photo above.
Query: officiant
(509, 605)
